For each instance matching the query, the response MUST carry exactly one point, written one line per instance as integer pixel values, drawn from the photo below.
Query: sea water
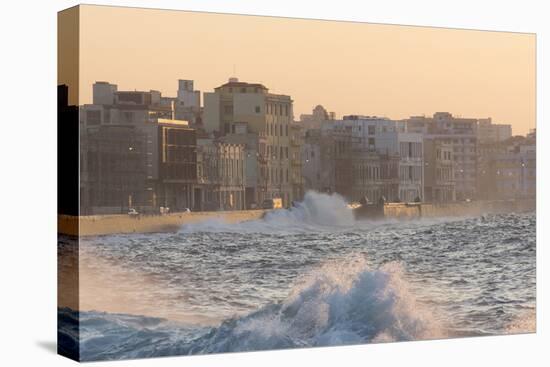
(308, 276)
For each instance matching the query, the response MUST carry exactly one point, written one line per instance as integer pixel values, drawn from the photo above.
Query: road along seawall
(95, 225)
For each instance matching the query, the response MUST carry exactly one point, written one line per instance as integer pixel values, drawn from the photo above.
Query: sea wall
(456, 209)
(117, 223)
(109, 224)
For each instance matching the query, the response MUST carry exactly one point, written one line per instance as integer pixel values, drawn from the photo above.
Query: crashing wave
(317, 212)
(340, 303)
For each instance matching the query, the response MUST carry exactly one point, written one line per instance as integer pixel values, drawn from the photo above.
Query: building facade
(266, 114)
(461, 134)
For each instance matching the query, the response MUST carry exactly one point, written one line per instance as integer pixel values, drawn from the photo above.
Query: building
(364, 156)
(187, 104)
(177, 188)
(316, 118)
(113, 176)
(266, 114)
(461, 133)
(439, 183)
(508, 168)
(165, 145)
(395, 145)
(487, 132)
(255, 163)
(221, 168)
(296, 177)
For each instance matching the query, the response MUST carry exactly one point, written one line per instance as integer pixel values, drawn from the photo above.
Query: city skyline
(412, 71)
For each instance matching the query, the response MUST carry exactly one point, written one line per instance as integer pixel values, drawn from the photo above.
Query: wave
(317, 212)
(340, 303)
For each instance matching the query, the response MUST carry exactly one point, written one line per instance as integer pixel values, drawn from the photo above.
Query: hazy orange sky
(350, 68)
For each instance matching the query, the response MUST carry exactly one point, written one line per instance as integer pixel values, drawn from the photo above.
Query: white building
(388, 138)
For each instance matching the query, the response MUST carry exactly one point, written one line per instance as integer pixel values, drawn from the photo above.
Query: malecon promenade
(120, 223)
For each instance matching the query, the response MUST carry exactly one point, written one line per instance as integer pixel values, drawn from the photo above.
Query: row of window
(277, 129)
(445, 154)
(276, 109)
(410, 173)
(275, 152)
(276, 175)
(410, 149)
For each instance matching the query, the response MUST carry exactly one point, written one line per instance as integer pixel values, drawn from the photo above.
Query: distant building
(508, 168)
(296, 178)
(113, 175)
(461, 134)
(178, 188)
(487, 132)
(364, 156)
(187, 104)
(255, 167)
(266, 114)
(221, 170)
(439, 183)
(148, 121)
(316, 118)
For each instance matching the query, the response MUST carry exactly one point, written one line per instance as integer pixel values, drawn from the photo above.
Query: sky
(348, 67)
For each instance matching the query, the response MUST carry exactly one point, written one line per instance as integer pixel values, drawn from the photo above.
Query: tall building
(461, 134)
(266, 114)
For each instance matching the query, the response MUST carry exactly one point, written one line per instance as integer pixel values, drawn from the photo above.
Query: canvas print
(232, 183)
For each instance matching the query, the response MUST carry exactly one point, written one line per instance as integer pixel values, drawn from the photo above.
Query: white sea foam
(317, 212)
(342, 302)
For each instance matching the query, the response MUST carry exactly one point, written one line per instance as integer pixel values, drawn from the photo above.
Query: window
(93, 117)
(228, 109)
(371, 130)
(243, 90)
(257, 109)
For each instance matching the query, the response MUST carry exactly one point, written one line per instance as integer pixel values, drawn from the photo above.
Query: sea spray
(316, 213)
(341, 302)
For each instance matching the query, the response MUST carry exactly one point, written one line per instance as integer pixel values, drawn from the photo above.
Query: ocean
(304, 277)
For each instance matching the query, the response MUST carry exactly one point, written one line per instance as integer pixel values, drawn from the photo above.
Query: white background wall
(28, 184)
